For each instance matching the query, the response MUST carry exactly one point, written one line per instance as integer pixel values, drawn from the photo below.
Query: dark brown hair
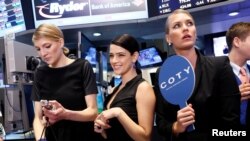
(240, 30)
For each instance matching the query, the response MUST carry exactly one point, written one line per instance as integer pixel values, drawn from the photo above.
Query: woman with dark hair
(129, 109)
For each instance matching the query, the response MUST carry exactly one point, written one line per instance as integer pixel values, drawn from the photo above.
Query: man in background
(238, 41)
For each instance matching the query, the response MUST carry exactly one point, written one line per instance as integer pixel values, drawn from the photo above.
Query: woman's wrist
(118, 112)
(175, 128)
(66, 114)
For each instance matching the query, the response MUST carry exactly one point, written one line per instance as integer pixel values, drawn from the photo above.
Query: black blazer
(215, 99)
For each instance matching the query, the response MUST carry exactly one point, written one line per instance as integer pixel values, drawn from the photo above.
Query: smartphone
(46, 104)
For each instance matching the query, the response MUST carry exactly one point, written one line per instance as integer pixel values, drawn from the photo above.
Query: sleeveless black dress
(125, 99)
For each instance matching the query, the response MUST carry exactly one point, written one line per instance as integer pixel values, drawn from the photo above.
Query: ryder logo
(55, 10)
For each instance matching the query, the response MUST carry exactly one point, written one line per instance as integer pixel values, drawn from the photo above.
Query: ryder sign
(77, 12)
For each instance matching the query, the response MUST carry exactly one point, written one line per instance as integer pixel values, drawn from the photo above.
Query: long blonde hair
(49, 31)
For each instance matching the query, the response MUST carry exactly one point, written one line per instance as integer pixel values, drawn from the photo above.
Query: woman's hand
(102, 120)
(55, 114)
(185, 117)
(101, 123)
(100, 126)
(110, 113)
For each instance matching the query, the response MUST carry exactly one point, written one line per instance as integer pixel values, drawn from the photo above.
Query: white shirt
(236, 69)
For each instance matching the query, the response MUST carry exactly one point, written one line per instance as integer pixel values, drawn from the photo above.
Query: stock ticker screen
(168, 6)
(11, 17)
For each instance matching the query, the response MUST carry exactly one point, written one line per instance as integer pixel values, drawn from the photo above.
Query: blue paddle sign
(177, 81)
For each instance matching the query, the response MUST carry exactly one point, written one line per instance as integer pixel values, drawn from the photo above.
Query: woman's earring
(169, 44)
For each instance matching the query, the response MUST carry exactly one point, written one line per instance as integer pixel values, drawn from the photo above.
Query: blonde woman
(215, 101)
(67, 85)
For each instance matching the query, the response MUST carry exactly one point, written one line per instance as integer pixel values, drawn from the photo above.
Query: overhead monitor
(11, 17)
(69, 12)
(168, 6)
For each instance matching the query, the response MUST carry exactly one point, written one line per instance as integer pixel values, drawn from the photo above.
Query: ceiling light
(233, 13)
(96, 34)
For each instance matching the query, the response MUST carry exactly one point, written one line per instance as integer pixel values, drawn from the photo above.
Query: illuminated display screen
(220, 46)
(11, 17)
(90, 55)
(167, 6)
(149, 57)
(69, 12)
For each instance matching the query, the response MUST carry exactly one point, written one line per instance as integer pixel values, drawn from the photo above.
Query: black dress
(125, 99)
(68, 85)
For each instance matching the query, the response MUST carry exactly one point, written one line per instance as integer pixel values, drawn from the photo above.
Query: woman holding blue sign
(213, 104)
(129, 109)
